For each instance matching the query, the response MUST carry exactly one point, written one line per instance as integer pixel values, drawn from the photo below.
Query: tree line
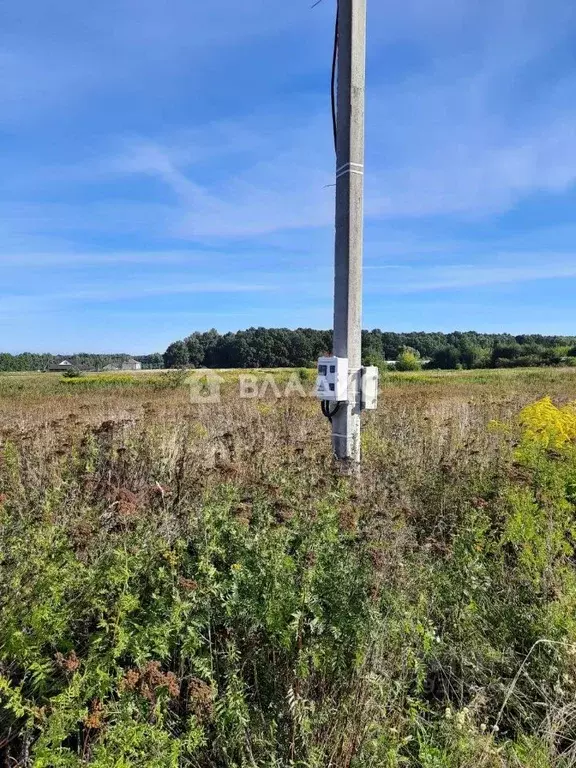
(282, 347)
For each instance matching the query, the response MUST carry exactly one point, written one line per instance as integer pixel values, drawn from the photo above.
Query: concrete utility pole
(349, 221)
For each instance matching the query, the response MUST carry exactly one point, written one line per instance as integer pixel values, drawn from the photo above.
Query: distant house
(392, 363)
(64, 365)
(125, 365)
(131, 365)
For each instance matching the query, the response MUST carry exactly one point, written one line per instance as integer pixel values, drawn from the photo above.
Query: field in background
(41, 396)
(194, 585)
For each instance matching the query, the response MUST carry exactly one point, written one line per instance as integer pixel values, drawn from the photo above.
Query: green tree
(151, 362)
(372, 348)
(176, 356)
(473, 355)
(503, 354)
(447, 357)
(195, 350)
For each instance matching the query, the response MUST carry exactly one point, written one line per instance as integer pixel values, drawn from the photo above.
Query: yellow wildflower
(548, 425)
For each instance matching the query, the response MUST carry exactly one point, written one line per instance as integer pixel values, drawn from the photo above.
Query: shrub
(101, 380)
(408, 361)
(72, 373)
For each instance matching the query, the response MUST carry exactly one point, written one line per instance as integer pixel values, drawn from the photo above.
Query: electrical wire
(326, 403)
(327, 412)
(333, 80)
(334, 72)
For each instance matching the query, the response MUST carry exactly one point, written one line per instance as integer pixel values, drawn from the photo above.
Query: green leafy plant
(190, 587)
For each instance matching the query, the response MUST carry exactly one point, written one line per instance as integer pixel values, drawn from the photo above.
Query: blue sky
(165, 167)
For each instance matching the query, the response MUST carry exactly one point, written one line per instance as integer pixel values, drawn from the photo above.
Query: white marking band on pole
(357, 168)
(349, 170)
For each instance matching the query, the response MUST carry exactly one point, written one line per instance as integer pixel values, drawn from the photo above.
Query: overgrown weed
(195, 586)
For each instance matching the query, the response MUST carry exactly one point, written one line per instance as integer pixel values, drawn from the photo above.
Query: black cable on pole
(325, 404)
(333, 82)
(327, 412)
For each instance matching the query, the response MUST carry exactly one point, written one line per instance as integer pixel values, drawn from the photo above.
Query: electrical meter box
(370, 384)
(332, 380)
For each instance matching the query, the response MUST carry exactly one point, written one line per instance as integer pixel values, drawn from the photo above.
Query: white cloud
(283, 185)
(451, 138)
(11, 305)
(66, 257)
(491, 270)
(445, 142)
(453, 160)
(442, 142)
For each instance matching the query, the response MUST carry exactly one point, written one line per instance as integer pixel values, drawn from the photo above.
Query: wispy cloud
(272, 189)
(137, 168)
(417, 279)
(452, 158)
(109, 294)
(78, 258)
(439, 143)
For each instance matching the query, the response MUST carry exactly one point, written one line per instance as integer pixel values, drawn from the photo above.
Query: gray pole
(349, 222)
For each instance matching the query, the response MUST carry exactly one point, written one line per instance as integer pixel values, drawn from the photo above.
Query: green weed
(198, 587)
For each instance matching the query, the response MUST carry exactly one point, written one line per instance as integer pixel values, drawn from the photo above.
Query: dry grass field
(195, 585)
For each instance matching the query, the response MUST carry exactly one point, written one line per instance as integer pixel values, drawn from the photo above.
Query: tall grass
(186, 585)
